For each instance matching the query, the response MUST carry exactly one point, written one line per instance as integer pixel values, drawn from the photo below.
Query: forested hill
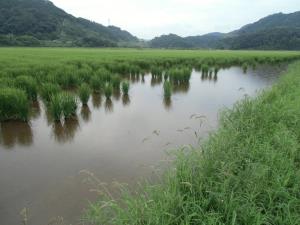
(40, 22)
(278, 31)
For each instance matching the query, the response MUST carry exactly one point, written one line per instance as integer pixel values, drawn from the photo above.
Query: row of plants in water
(19, 87)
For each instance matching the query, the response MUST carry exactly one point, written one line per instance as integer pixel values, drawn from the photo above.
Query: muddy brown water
(118, 140)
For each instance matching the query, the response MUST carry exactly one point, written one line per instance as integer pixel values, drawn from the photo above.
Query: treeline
(278, 38)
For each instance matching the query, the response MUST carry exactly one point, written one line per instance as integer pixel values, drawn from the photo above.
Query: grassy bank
(248, 172)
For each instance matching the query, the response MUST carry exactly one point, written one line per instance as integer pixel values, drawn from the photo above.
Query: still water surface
(118, 140)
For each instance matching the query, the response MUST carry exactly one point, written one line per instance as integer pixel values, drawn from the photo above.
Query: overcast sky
(147, 19)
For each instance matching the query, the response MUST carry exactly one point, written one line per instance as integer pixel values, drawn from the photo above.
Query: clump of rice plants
(167, 89)
(69, 104)
(125, 87)
(14, 104)
(96, 83)
(29, 85)
(6, 82)
(205, 68)
(104, 74)
(115, 81)
(56, 107)
(63, 105)
(84, 93)
(179, 75)
(108, 90)
(48, 90)
(245, 67)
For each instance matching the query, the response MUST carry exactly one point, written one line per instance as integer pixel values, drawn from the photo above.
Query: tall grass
(245, 173)
(84, 93)
(14, 104)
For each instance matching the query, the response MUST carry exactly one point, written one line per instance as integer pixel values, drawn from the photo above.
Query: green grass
(14, 104)
(248, 172)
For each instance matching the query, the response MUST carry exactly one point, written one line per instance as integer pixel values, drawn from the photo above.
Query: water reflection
(14, 133)
(134, 78)
(167, 101)
(35, 110)
(156, 80)
(117, 94)
(215, 77)
(65, 131)
(143, 78)
(109, 107)
(126, 100)
(181, 87)
(210, 76)
(85, 113)
(96, 100)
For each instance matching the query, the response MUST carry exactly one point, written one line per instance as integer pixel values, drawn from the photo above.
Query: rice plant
(69, 104)
(47, 90)
(96, 83)
(29, 85)
(56, 107)
(205, 68)
(14, 104)
(84, 93)
(245, 67)
(125, 87)
(108, 90)
(167, 89)
(115, 81)
(63, 105)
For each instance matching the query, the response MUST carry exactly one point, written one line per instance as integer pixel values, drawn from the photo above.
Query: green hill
(278, 31)
(40, 22)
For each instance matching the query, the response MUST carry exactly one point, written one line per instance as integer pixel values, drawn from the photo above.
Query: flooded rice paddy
(121, 139)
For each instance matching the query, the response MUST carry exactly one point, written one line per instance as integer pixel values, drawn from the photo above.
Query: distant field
(12, 57)
(26, 73)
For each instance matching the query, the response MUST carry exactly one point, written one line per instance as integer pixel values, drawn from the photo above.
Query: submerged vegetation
(245, 173)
